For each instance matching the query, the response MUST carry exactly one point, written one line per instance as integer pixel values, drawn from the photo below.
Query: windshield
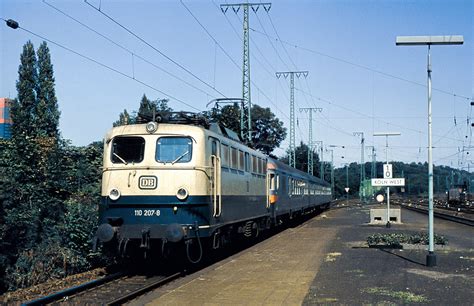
(126, 149)
(174, 149)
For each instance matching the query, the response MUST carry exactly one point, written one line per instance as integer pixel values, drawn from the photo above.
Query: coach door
(216, 177)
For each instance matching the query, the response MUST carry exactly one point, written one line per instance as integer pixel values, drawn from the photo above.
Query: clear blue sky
(320, 34)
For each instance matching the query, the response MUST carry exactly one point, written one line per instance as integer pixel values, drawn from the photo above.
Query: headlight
(114, 194)
(151, 127)
(182, 194)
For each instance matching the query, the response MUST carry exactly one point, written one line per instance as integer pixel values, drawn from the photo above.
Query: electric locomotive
(169, 184)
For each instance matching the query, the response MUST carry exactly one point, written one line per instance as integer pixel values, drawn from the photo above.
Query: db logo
(148, 182)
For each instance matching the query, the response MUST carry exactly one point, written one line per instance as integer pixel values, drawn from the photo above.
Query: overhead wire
(361, 66)
(253, 83)
(105, 66)
(126, 49)
(370, 117)
(155, 49)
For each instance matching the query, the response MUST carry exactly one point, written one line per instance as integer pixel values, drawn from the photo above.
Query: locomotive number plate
(148, 182)
(147, 212)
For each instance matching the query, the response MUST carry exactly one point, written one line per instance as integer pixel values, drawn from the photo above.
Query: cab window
(174, 149)
(127, 149)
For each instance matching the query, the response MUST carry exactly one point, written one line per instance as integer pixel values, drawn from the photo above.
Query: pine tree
(47, 107)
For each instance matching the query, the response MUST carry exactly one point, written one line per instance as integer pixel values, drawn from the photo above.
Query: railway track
(451, 215)
(115, 289)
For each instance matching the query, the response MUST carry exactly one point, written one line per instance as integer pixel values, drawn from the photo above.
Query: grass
(402, 296)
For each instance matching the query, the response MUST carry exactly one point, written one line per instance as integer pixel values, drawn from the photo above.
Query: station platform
(326, 261)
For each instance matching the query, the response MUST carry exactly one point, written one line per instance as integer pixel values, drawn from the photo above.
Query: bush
(396, 239)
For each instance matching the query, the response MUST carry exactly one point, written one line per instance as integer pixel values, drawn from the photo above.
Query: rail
(440, 215)
(74, 290)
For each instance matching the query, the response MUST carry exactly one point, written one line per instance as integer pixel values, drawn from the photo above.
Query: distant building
(5, 119)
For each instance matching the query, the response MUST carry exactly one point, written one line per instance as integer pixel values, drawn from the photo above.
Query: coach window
(254, 164)
(235, 162)
(241, 160)
(126, 149)
(225, 155)
(174, 149)
(247, 162)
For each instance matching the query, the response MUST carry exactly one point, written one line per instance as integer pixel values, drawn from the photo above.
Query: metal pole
(347, 185)
(388, 188)
(431, 257)
(332, 172)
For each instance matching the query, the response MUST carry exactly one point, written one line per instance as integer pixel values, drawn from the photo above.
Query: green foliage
(24, 107)
(396, 239)
(147, 108)
(49, 190)
(267, 130)
(301, 159)
(47, 108)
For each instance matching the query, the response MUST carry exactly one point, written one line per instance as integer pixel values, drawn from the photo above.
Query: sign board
(346, 189)
(388, 182)
(387, 171)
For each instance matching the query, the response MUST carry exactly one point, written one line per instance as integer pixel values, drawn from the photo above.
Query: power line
(126, 49)
(154, 48)
(105, 66)
(370, 117)
(284, 49)
(361, 66)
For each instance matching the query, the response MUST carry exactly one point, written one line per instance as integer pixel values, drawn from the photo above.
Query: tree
(24, 107)
(124, 119)
(145, 109)
(267, 130)
(47, 107)
(301, 159)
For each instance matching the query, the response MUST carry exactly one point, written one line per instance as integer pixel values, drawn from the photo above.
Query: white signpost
(387, 182)
(387, 171)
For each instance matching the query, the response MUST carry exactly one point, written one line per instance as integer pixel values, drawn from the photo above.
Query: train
(179, 182)
(458, 195)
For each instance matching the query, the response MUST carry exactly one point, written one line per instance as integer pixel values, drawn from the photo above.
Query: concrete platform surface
(326, 261)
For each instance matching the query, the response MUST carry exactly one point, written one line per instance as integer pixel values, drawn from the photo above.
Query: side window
(225, 155)
(213, 147)
(127, 149)
(272, 181)
(255, 164)
(234, 162)
(247, 162)
(241, 161)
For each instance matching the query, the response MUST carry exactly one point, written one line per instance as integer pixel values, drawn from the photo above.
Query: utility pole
(362, 149)
(246, 119)
(372, 168)
(321, 168)
(332, 170)
(292, 109)
(310, 143)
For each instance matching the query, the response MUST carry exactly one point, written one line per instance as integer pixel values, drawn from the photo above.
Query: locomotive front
(154, 186)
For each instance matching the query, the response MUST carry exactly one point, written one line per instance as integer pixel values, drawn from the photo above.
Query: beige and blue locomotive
(171, 184)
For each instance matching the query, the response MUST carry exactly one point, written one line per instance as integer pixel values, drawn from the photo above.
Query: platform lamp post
(387, 134)
(428, 41)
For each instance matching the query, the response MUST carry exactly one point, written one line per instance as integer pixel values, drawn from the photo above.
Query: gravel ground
(31, 293)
